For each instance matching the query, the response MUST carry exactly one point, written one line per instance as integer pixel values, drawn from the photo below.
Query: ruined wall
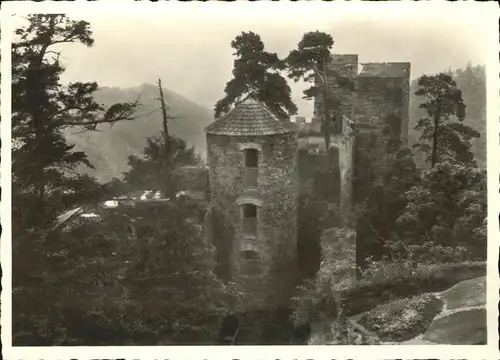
(345, 65)
(381, 90)
(319, 209)
(314, 163)
(381, 111)
(276, 196)
(346, 145)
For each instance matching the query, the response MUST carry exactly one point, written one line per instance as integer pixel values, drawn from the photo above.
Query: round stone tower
(253, 182)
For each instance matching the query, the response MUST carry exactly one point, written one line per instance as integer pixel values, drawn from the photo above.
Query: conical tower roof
(250, 118)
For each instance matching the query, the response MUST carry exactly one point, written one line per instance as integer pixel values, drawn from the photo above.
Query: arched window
(249, 219)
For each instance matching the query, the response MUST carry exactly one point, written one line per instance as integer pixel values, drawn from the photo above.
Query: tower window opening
(251, 158)
(251, 167)
(249, 219)
(250, 255)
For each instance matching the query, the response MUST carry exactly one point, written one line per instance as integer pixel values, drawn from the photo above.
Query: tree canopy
(44, 165)
(444, 136)
(448, 208)
(310, 62)
(256, 73)
(148, 173)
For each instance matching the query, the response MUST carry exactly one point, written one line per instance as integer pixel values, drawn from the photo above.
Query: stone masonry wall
(347, 66)
(276, 215)
(378, 97)
(310, 164)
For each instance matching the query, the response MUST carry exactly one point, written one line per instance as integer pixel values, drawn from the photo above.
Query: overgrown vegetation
(417, 231)
(309, 62)
(472, 83)
(138, 275)
(402, 319)
(146, 275)
(145, 282)
(256, 72)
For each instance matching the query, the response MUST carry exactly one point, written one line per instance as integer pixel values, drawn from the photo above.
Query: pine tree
(42, 109)
(256, 72)
(156, 168)
(310, 63)
(444, 136)
(44, 177)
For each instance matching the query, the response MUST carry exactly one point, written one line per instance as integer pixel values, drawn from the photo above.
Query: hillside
(472, 82)
(108, 149)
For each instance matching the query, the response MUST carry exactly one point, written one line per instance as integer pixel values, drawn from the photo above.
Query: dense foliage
(148, 281)
(382, 178)
(309, 62)
(398, 205)
(256, 72)
(402, 319)
(447, 209)
(472, 83)
(132, 275)
(43, 166)
(443, 138)
(145, 274)
(417, 230)
(149, 172)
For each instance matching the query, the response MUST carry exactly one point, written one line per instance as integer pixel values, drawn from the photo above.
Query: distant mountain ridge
(109, 148)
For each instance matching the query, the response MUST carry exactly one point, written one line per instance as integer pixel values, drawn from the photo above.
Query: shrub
(103, 284)
(317, 298)
(337, 332)
(386, 280)
(402, 319)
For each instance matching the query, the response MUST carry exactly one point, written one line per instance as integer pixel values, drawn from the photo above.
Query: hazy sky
(189, 46)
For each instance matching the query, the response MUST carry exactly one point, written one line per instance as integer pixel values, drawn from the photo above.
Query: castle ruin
(266, 174)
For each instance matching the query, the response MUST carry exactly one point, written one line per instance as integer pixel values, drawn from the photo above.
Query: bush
(338, 332)
(429, 252)
(107, 284)
(387, 280)
(402, 319)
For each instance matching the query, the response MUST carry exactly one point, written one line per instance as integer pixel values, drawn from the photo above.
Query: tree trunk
(326, 110)
(169, 190)
(437, 116)
(38, 119)
(165, 118)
